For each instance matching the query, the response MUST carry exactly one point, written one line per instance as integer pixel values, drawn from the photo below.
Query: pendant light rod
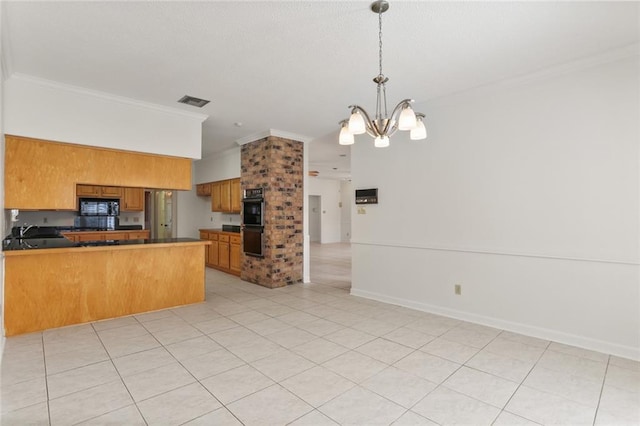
(383, 125)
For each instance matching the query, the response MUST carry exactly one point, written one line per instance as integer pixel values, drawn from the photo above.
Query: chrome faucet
(24, 229)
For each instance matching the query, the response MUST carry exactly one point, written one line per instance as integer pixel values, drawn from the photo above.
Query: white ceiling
(295, 66)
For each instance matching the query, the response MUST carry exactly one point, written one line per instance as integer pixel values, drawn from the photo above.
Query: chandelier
(383, 125)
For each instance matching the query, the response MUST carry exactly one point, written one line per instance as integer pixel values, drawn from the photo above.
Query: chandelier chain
(380, 40)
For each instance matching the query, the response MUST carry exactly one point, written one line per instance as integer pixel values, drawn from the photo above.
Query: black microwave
(98, 207)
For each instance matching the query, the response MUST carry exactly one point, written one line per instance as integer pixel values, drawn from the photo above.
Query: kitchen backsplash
(216, 220)
(64, 218)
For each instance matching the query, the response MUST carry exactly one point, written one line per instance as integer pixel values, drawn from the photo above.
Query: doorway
(315, 219)
(160, 212)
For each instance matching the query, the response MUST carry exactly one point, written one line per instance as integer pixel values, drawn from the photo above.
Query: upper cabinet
(203, 189)
(98, 191)
(132, 200)
(226, 196)
(41, 174)
(236, 195)
(216, 196)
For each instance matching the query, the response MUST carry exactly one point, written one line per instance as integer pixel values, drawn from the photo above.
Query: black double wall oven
(253, 222)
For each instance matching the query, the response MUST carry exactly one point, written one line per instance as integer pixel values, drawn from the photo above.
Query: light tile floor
(307, 354)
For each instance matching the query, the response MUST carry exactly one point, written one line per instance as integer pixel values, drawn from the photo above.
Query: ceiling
(295, 66)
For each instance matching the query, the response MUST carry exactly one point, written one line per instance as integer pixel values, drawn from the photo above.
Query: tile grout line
(604, 380)
(522, 382)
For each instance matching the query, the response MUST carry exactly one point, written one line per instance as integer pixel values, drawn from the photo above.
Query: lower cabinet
(234, 254)
(224, 251)
(107, 235)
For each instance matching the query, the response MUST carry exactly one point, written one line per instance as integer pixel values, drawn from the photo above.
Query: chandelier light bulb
(407, 120)
(346, 138)
(381, 142)
(356, 123)
(420, 131)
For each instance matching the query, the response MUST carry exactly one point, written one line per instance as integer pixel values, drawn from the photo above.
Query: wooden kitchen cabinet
(42, 175)
(87, 191)
(224, 252)
(98, 191)
(234, 254)
(216, 196)
(214, 253)
(236, 195)
(138, 235)
(110, 192)
(132, 200)
(203, 189)
(226, 196)
(107, 235)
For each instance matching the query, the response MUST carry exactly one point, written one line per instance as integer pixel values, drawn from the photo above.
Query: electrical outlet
(126, 218)
(457, 289)
(45, 220)
(362, 210)
(211, 218)
(136, 219)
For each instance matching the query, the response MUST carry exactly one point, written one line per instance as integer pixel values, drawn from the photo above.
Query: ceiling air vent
(190, 100)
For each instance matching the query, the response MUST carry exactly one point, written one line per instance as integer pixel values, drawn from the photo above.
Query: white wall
(347, 198)
(225, 165)
(329, 191)
(47, 110)
(527, 196)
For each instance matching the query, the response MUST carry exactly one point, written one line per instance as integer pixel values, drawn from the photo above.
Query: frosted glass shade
(419, 132)
(407, 120)
(381, 142)
(345, 138)
(356, 123)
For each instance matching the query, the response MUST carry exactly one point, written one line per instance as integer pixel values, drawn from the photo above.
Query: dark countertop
(53, 243)
(233, 229)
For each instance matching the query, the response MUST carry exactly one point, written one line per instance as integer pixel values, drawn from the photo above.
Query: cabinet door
(133, 200)
(223, 255)
(138, 235)
(115, 236)
(90, 236)
(225, 195)
(87, 190)
(216, 197)
(214, 254)
(111, 192)
(236, 195)
(234, 257)
(203, 189)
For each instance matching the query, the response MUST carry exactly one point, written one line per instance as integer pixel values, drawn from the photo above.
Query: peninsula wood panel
(53, 288)
(42, 174)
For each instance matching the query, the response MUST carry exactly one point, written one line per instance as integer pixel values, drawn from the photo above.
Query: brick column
(276, 164)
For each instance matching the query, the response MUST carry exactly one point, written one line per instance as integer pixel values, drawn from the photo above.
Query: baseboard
(539, 332)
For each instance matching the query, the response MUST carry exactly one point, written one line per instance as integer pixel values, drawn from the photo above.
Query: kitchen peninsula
(53, 282)
(56, 282)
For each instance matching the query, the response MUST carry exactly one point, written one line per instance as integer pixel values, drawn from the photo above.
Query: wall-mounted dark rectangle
(367, 196)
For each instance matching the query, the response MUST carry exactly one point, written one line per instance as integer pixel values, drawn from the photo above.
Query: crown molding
(273, 132)
(107, 96)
